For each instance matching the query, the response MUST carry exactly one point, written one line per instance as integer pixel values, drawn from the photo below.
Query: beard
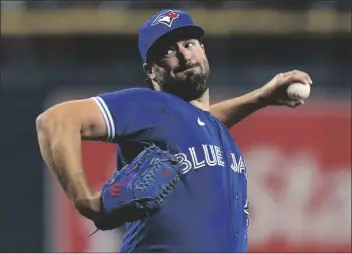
(189, 84)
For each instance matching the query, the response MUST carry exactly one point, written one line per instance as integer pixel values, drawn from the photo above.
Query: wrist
(259, 99)
(85, 201)
(79, 189)
(89, 207)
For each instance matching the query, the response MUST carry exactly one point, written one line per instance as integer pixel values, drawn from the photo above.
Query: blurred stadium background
(299, 160)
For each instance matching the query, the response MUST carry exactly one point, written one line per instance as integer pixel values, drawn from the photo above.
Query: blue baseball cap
(160, 24)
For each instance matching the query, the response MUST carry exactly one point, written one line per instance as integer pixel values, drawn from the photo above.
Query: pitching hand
(274, 92)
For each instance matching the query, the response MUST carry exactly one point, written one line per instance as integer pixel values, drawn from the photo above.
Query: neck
(203, 102)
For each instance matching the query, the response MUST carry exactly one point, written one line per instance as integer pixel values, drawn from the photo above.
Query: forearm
(60, 146)
(230, 112)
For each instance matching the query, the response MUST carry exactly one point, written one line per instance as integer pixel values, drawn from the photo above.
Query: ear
(203, 47)
(148, 70)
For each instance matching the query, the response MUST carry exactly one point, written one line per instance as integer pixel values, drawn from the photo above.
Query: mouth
(186, 69)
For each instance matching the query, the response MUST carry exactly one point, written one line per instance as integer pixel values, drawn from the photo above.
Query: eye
(169, 52)
(189, 44)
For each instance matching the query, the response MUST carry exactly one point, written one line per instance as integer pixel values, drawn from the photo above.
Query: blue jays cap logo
(166, 18)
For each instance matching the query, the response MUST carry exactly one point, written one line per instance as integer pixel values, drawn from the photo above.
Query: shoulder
(141, 94)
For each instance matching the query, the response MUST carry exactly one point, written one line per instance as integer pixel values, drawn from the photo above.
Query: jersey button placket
(236, 232)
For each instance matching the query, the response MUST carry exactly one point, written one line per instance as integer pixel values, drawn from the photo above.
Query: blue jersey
(208, 211)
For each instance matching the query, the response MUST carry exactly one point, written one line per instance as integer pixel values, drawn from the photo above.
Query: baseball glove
(139, 189)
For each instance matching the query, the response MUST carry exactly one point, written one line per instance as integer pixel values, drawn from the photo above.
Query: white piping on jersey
(110, 125)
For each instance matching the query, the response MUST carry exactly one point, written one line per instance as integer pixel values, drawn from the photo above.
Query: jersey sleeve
(131, 111)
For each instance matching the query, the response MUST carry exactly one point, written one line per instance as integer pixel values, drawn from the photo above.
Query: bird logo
(166, 18)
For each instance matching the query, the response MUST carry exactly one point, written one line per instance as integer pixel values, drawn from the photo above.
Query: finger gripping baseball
(139, 189)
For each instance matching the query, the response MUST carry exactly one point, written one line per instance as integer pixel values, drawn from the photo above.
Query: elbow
(45, 122)
(48, 122)
(57, 121)
(39, 122)
(42, 124)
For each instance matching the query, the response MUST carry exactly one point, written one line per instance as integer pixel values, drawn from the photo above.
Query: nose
(184, 54)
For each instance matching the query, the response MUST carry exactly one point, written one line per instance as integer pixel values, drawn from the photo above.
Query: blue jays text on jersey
(208, 212)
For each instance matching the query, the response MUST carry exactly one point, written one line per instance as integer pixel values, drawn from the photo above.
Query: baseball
(297, 91)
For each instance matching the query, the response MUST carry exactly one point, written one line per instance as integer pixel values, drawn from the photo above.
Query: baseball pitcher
(181, 183)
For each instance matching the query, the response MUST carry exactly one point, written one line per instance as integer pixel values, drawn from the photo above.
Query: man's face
(180, 66)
